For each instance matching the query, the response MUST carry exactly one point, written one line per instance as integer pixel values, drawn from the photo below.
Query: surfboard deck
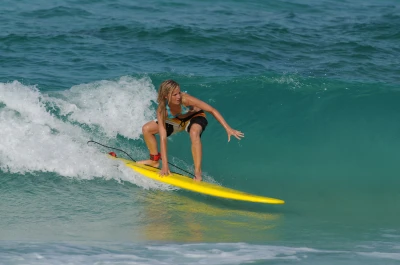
(188, 183)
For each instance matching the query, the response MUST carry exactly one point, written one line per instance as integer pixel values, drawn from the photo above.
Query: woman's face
(176, 96)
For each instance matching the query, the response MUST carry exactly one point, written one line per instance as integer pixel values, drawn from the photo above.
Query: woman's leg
(149, 130)
(195, 131)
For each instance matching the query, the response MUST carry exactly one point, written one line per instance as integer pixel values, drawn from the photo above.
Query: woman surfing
(176, 112)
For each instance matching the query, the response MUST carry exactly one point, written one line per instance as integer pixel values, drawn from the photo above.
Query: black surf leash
(112, 148)
(134, 159)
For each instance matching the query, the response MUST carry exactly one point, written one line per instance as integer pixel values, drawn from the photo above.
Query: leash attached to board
(113, 154)
(112, 148)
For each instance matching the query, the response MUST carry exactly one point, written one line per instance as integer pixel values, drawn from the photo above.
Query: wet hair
(165, 91)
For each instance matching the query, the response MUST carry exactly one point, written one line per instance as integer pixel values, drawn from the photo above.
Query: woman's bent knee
(145, 128)
(195, 131)
(151, 127)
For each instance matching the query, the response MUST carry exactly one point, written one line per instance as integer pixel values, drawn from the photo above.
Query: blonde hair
(165, 91)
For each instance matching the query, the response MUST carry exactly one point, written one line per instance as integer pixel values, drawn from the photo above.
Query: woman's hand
(164, 171)
(232, 132)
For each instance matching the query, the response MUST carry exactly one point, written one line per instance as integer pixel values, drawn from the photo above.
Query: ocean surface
(314, 85)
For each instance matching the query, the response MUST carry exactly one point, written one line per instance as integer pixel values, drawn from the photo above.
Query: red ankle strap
(155, 157)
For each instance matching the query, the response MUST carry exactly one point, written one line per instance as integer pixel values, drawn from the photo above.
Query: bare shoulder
(187, 99)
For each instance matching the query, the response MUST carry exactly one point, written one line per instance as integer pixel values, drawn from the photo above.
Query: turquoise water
(314, 85)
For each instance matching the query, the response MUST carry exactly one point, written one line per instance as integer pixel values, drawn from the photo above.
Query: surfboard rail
(188, 183)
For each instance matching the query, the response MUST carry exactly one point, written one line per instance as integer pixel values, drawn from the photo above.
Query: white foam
(233, 253)
(393, 256)
(391, 235)
(118, 107)
(156, 254)
(211, 254)
(33, 139)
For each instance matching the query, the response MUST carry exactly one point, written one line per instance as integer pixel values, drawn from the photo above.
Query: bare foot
(197, 177)
(149, 163)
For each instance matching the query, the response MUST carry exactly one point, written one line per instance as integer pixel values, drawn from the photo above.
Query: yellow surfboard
(187, 183)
